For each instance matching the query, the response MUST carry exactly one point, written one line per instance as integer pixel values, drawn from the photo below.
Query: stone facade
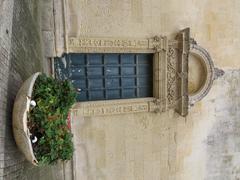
(142, 145)
(151, 145)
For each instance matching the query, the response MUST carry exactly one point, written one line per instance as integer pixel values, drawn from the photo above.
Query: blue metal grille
(107, 76)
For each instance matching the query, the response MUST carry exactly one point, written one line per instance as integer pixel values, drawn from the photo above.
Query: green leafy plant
(48, 119)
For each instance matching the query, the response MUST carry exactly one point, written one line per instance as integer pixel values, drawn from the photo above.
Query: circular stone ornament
(21, 109)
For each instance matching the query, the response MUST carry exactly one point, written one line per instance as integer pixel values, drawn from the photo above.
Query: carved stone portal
(175, 85)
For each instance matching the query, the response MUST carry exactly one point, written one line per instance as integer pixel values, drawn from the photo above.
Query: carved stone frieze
(84, 43)
(114, 107)
(88, 45)
(172, 76)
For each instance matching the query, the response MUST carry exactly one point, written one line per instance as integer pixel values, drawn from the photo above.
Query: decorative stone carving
(86, 45)
(170, 73)
(158, 43)
(171, 76)
(113, 107)
(218, 73)
(207, 72)
(109, 45)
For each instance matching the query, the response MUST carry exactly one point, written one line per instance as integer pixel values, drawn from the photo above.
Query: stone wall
(6, 10)
(208, 140)
(214, 23)
(20, 56)
(204, 145)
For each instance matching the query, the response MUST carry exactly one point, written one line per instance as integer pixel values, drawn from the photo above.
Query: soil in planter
(47, 121)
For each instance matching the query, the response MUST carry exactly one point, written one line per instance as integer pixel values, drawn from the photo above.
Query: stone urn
(20, 118)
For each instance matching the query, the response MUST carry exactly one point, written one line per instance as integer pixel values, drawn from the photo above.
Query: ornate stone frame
(170, 70)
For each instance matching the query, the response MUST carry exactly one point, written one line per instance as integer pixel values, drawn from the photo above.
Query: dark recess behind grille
(107, 76)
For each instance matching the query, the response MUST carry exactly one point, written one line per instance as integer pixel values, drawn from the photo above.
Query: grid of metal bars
(107, 76)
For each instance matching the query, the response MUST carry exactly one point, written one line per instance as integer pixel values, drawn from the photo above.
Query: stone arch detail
(210, 72)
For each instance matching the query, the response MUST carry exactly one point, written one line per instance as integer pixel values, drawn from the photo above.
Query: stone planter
(20, 114)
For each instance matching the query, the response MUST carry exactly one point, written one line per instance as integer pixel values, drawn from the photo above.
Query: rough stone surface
(208, 141)
(6, 14)
(205, 145)
(223, 142)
